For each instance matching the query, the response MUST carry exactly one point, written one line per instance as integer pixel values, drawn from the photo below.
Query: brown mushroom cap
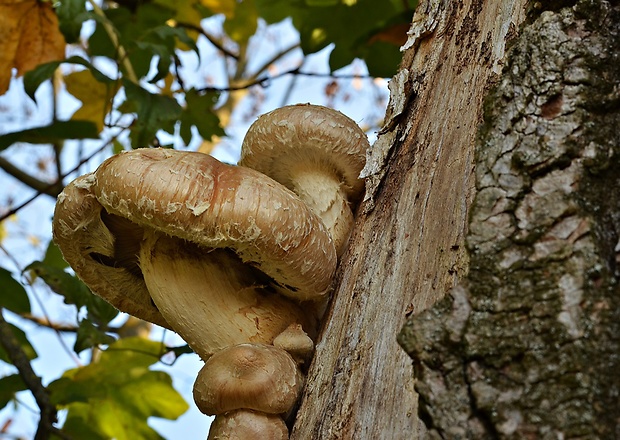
(308, 134)
(100, 218)
(199, 199)
(248, 376)
(296, 342)
(248, 425)
(316, 152)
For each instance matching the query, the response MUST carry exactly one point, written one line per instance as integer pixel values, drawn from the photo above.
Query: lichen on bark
(528, 346)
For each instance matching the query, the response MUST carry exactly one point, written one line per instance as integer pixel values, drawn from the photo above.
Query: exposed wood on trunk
(407, 250)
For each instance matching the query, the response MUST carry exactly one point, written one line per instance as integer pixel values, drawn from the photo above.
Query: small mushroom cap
(88, 245)
(248, 425)
(295, 342)
(199, 199)
(310, 136)
(248, 376)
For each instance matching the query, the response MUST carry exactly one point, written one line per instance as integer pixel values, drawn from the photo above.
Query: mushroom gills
(214, 299)
(127, 238)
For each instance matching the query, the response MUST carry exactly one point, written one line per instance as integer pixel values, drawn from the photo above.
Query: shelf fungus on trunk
(316, 152)
(221, 254)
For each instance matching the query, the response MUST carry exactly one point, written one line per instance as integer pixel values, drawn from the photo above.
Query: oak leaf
(29, 36)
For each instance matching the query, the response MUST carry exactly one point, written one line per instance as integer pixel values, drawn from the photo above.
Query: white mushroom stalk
(223, 255)
(316, 152)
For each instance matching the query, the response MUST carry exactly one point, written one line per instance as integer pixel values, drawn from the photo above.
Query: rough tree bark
(528, 345)
(407, 250)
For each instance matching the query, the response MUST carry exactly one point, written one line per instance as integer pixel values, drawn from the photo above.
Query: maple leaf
(95, 96)
(29, 36)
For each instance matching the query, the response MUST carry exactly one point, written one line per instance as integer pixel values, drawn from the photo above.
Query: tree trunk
(407, 250)
(528, 344)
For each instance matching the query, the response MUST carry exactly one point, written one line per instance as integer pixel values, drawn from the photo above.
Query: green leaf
(322, 3)
(53, 133)
(352, 26)
(154, 112)
(71, 17)
(13, 296)
(89, 336)
(72, 289)
(242, 25)
(23, 342)
(198, 112)
(117, 394)
(134, 29)
(74, 292)
(53, 256)
(43, 72)
(9, 386)
(382, 59)
(100, 311)
(162, 42)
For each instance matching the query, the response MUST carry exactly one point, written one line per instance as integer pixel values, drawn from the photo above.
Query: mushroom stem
(214, 299)
(326, 196)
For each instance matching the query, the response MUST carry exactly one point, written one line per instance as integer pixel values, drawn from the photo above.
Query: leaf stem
(122, 54)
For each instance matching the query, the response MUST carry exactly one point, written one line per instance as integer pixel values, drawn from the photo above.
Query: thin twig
(265, 80)
(274, 59)
(122, 54)
(214, 41)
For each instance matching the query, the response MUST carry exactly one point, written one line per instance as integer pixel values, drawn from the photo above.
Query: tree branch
(275, 58)
(33, 382)
(50, 189)
(60, 327)
(34, 197)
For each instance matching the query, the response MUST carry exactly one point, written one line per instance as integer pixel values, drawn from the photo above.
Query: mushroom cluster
(238, 260)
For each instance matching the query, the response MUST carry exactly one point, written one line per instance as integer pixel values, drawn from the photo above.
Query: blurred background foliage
(83, 79)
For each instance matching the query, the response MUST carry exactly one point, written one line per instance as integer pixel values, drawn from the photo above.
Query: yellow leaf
(95, 96)
(29, 36)
(242, 25)
(184, 10)
(166, 90)
(226, 7)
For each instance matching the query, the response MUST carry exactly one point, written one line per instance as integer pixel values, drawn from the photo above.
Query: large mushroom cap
(199, 199)
(307, 135)
(100, 218)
